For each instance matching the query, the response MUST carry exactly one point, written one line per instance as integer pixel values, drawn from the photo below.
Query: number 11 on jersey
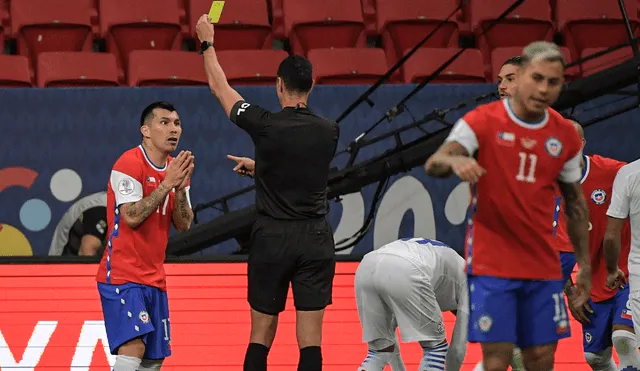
(528, 167)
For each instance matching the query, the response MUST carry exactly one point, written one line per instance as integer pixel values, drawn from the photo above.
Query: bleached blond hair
(542, 51)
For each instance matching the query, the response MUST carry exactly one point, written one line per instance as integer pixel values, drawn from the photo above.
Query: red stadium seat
(593, 23)
(605, 61)
(467, 68)
(139, 25)
(165, 67)
(277, 22)
(529, 22)
(403, 23)
(369, 14)
(348, 66)
(500, 55)
(313, 24)
(237, 28)
(76, 69)
(251, 67)
(52, 25)
(4, 22)
(14, 72)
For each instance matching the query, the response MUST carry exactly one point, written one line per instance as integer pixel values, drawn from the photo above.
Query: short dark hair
(148, 111)
(296, 73)
(515, 61)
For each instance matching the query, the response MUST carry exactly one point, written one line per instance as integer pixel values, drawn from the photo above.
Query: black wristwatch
(205, 45)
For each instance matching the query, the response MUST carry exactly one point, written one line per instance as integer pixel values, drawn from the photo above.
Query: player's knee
(625, 342)
(133, 348)
(599, 361)
(126, 363)
(151, 364)
(539, 357)
(384, 345)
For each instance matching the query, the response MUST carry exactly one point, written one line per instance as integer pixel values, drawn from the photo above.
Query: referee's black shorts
(300, 252)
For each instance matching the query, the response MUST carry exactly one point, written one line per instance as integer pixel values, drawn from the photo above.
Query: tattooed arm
(135, 213)
(182, 213)
(440, 164)
(577, 214)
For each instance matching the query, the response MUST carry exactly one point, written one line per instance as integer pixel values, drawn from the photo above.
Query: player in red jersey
(147, 192)
(606, 319)
(524, 149)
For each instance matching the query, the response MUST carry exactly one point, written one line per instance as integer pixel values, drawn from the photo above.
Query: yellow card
(216, 11)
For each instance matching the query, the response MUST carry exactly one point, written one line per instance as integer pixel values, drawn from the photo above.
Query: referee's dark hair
(515, 61)
(296, 73)
(148, 111)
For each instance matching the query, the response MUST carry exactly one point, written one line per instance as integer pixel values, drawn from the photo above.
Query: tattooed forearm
(439, 165)
(135, 213)
(577, 214)
(182, 214)
(612, 243)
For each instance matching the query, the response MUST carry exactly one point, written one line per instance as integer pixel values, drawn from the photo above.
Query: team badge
(125, 187)
(598, 196)
(588, 338)
(553, 146)
(485, 323)
(144, 317)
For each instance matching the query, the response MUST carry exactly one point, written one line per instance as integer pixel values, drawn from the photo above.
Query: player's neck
(156, 156)
(524, 115)
(294, 101)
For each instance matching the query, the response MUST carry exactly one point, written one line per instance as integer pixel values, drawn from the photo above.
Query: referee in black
(291, 241)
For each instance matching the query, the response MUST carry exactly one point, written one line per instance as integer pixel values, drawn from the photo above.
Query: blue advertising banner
(58, 145)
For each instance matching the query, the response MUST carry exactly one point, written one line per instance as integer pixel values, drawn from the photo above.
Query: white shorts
(634, 304)
(391, 292)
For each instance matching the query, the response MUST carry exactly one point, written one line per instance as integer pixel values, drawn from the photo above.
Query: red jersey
(136, 255)
(560, 241)
(509, 232)
(597, 185)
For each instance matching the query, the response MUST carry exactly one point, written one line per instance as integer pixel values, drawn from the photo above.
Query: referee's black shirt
(293, 153)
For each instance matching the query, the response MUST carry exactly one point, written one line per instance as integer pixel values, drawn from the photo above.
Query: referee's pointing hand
(244, 165)
(204, 28)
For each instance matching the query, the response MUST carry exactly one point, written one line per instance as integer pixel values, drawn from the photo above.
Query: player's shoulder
(605, 163)
(486, 110)
(132, 158)
(631, 169)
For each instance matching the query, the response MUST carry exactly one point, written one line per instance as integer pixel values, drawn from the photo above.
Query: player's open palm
(467, 169)
(244, 165)
(178, 169)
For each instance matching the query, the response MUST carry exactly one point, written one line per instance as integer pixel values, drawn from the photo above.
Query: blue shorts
(137, 311)
(614, 311)
(568, 262)
(522, 312)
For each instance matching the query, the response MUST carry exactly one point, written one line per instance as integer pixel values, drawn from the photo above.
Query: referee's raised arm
(218, 83)
(292, 242)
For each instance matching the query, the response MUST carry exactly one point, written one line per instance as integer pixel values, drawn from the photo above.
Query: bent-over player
(407, 284)
(148, 191)
(524, 150)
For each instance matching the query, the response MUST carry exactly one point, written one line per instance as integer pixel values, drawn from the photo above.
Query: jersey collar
(586, 169)
(144, 153)
(529, 125)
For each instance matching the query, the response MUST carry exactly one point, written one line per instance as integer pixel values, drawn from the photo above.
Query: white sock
(395, 361)
(126, 363)
(479, 367)
(151, 365)
(375, 361)
(627, 348)
(434, 358)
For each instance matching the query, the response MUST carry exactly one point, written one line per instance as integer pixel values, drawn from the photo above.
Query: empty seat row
(258, 67)
(68, 25)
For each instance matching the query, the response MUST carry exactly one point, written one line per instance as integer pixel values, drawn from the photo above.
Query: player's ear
(144, 130)
(313, 84)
